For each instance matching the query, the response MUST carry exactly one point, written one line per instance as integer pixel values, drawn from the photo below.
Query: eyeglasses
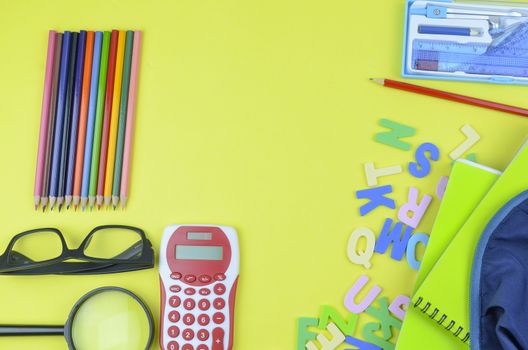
(106, 249)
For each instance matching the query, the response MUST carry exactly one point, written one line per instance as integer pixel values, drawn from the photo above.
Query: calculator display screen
(193, 252)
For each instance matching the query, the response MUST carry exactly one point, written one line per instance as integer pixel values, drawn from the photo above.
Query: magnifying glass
(107, 318)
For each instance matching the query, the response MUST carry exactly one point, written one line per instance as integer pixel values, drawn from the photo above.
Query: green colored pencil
(96, 147)
(122, 118)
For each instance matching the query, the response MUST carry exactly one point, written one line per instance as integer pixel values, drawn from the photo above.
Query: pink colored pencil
(44, 117)
(131, 112)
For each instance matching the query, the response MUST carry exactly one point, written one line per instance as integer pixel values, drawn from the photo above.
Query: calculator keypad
(194, 311)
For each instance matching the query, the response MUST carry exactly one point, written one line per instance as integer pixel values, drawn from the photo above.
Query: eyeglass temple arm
(131, 252)
(14, 330)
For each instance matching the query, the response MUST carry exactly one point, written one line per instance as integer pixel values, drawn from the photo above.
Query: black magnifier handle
(15, 330)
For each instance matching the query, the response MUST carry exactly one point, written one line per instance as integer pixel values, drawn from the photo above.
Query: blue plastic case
(467, 41)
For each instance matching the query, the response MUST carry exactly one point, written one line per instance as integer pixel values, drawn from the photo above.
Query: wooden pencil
(76, 107)
(131, 111)
(96, 146)
(51, 121)
(59, 120)
(83, 116)
(68, 110)
(118, 166)
(44, 118)
(114, 118)
(106, 119)
(90, 122)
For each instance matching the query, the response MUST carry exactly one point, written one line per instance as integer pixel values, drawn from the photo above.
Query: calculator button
(219, 303)
(187, 347)
(218, 339)
(202, 335)
(189, 291)
(189, 304)
(219, 289)
(175, 289)
(174, 316)
(188, 319)
(189, 278)
(204, 278)
(205, 291)
(203, 320)
(174, 301)
(188, 334)
(173, 346)
(176, 275)
(174, 331)
(202, 347)
(218, 318)
(219, 277)
(204, 304)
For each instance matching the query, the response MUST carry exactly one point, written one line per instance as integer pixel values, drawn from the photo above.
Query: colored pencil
(90, 123)
(51, 121)
(59, 119)
(131, 111)
(67, 121)
(96, 146)
(114, 118)
(44, 117)
(452, 97)
(77, 90)
(107, 114)
(83, 115)
(118, 166)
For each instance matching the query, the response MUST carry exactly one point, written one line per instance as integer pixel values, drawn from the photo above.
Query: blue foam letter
(422, 167)
(376, 197)
(394, 236)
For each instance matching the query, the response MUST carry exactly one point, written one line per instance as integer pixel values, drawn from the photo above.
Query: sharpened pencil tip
(36, 207)
(378, 81)
(43, 208)
(60, 207)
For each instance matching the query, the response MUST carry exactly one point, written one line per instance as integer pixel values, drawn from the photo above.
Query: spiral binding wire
(457, 331)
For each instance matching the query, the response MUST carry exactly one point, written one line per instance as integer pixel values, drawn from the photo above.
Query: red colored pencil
(106, 119)
(452, 97)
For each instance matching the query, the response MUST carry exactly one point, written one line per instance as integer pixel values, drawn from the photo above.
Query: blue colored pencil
(96, 61)
(77, 90)
(67, 121)
(59, 120)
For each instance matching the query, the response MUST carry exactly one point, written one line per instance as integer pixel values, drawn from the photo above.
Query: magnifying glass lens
(110, 320)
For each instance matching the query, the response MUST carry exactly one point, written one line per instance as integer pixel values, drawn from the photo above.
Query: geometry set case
(467, 40)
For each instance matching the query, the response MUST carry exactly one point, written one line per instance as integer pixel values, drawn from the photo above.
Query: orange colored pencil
(85, 97)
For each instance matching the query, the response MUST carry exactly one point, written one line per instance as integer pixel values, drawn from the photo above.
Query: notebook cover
(468, 183)
(444, 295)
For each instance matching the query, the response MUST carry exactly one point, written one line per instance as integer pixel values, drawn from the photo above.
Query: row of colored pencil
(87, 121)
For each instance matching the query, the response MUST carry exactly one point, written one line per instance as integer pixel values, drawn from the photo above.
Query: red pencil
(106, 119)
(452, 97)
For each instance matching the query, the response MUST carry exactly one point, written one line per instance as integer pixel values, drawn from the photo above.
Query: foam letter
(328, 344)
(372, 173)
(392, 137)
(360, 344)
(368, 334)
(303, 334)
(351, 305)
(394, 236)
(329, 313)
(411, 249)
(471, 138)
(441, 187)
(376, 197)
(422, 167)
(361, 257)
(412, 207)
(399, 306)
(383, 315)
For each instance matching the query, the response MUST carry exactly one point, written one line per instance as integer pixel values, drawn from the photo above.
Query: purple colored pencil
(77, 90)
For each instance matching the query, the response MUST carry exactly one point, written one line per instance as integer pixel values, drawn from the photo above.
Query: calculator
(199, 268)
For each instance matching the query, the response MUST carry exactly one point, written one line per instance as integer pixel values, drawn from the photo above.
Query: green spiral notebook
(468, 183)
(444, 294)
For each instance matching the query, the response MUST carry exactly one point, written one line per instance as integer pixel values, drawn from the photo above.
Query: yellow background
(254, 114)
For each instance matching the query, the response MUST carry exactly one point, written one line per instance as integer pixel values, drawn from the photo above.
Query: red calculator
(199, 267)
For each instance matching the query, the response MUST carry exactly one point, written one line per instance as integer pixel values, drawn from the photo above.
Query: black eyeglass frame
(136, 257)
